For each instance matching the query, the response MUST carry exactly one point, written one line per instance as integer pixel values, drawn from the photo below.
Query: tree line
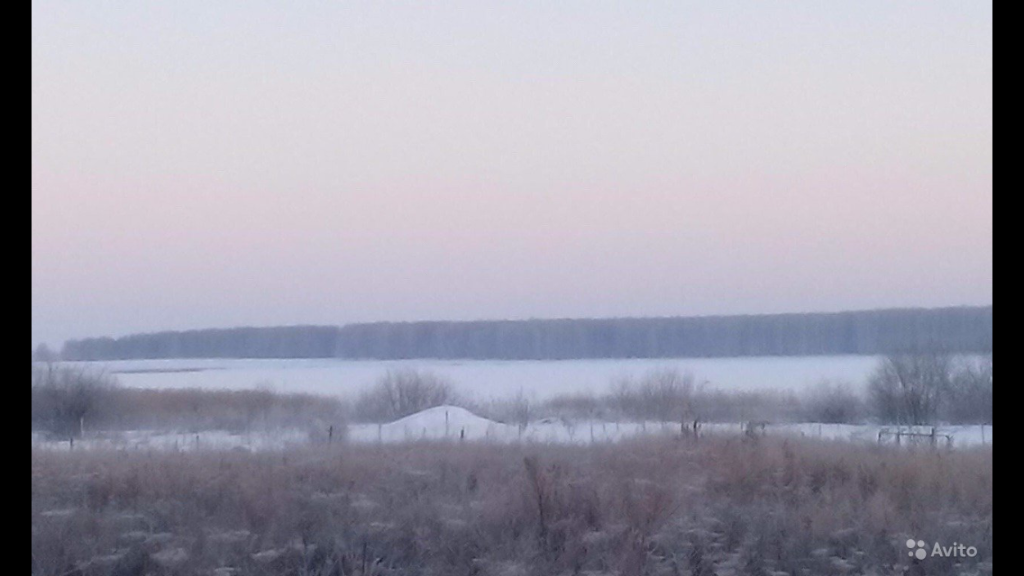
(872, 332)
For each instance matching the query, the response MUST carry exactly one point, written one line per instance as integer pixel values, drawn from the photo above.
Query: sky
(213, 164)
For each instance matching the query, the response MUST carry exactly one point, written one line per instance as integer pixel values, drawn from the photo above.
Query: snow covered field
(457, 424)
(454, 423)
(486, 379)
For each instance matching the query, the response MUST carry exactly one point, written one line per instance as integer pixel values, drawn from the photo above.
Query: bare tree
(400, 393)
(908, 388)
(44, 353)
(832, 403)
(521, 410)
(665, 395)
(970, 398)
(62, 396)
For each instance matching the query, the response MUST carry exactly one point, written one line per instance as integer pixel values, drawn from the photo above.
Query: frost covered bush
(64, 396)
(400, 393)
(928, 388)
(832, 403)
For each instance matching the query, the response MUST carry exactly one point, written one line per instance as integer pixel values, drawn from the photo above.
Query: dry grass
(190, 409)
(714, 506)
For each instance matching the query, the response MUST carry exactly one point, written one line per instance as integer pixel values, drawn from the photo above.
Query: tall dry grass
(713, 506)
(189, 409)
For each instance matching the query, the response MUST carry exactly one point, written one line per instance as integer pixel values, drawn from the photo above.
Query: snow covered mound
(441, 422)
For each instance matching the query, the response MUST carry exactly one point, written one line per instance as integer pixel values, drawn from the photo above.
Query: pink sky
(255, 163)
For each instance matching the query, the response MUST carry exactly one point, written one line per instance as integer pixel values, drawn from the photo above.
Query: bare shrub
(970, 393)
(521, 410)
(908, 388)
(832, 403)
(63, 396)
(579, 406)
(43, 353)
(665, 395)
(716, 405)
(233, 410)
(518, 409)
(115, 408)
(671, 396)
(400, 393)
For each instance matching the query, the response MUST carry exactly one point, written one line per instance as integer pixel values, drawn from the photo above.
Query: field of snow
(486, 379)
(455, 424)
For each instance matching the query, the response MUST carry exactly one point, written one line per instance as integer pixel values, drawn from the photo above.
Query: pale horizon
(200, 165)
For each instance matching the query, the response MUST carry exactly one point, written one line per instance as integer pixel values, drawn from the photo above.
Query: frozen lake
(487, 379)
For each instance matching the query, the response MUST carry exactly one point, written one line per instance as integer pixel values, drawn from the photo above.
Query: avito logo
(919, 550)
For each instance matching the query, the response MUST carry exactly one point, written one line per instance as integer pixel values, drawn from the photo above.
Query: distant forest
(960, 329)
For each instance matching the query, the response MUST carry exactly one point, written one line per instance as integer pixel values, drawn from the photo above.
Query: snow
(145, 440)
(445, 422)
(456, 424)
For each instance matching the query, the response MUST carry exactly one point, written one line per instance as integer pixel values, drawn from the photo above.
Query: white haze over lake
(484, 379)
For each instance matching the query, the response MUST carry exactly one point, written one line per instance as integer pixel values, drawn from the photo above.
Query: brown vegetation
(717, 506)
(65, 400)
